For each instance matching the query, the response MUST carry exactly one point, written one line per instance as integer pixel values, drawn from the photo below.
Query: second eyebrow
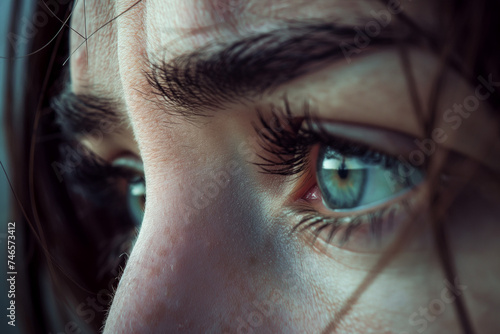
(79, 115)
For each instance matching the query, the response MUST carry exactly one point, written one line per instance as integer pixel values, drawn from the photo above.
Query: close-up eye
(355, 181)
(361, 196)
(353, 194)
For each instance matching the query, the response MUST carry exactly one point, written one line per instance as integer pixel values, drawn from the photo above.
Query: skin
(226, 266)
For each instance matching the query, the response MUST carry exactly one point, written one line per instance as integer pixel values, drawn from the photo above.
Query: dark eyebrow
(82, 114)
(194, 84)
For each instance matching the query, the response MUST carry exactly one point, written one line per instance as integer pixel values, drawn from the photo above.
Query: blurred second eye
(136, 199)
(135, 191)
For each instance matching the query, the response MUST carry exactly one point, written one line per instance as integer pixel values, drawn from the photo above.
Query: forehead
(177, 26)
(93, 46)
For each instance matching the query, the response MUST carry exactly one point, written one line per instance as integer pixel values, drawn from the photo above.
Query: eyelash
(312, 220)
(290, 148)
(287, 152)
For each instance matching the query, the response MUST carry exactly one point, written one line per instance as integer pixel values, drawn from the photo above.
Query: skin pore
(229, 263)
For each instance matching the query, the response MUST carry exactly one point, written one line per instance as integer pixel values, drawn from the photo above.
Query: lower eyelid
(403, 197)
(373, 230)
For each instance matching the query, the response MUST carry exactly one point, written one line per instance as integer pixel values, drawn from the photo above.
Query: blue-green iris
(351, 182)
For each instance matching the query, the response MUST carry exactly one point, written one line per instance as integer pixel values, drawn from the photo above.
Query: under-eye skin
(355, 197)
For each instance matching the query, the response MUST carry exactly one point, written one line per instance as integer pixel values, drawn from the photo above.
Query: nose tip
(169, 283)
(190, 270)
(139, 301)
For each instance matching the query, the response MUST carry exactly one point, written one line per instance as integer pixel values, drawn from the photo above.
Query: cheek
(209, 257)
(474, 231)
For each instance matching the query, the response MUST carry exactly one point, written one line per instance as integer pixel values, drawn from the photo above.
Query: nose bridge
(183, 261)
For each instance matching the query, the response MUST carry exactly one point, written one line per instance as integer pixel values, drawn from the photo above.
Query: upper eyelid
(394, 143)
(386, 140)
(289, 120)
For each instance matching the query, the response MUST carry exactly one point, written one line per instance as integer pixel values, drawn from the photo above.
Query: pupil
(343, 172)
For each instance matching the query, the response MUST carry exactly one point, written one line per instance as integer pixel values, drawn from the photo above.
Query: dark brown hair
(59, 245)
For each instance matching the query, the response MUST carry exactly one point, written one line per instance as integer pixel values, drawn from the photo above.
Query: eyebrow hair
(193, 84)
(80, 114)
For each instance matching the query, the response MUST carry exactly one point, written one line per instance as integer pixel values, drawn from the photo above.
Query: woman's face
(217, 250)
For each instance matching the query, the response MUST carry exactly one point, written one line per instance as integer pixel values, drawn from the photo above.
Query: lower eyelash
(377, 221)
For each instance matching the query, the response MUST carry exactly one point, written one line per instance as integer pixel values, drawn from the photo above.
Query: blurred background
(5, 192)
